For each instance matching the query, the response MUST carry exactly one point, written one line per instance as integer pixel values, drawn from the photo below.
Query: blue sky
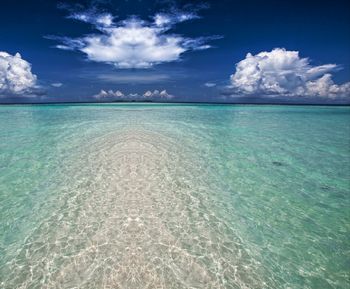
(222, 51)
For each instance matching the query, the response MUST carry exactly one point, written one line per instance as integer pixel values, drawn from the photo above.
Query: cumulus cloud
(156, 94)
(284, 73)
(16, 77)
(133, 43)
(324, 86)
(111, 95)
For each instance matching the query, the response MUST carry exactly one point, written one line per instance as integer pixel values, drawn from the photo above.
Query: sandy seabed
(135, 210)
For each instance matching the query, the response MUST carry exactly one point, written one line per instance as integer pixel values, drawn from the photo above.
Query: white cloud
(210, 84)
(110, 95)
(134, 78)
(324, 86)
(165, 19)
(56, 84)
(283, 73)
(104, 20)
(156, 94)
(133, 43)
(16, 77)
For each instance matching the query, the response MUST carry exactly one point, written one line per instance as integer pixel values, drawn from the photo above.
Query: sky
(203, 51)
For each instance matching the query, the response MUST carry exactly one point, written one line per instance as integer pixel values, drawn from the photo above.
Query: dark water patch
(278, 164)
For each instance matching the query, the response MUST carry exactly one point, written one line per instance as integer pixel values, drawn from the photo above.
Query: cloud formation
(133, 43)
(284, 73)
(156, 94)
(134, 78)
(16, 77)
(209, 84)
(111, 95)
(56, 84)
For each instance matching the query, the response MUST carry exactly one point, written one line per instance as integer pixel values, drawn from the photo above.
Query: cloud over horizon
(284, 73)
(133, 42)
(16, 77)
(111, 95)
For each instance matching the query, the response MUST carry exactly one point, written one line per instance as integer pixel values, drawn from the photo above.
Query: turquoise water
(174, 196)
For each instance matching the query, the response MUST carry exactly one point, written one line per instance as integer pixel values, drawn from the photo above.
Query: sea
(153, 195)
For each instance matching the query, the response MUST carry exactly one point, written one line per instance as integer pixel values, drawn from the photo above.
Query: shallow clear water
(174, 196)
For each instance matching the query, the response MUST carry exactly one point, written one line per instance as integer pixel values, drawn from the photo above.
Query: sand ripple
(135, 211)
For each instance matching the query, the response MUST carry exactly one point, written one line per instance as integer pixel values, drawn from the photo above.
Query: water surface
(174, 196)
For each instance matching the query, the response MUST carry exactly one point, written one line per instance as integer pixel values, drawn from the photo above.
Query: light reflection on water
(157, 196)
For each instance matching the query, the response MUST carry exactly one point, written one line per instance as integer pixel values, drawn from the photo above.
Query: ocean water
(174, 196)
